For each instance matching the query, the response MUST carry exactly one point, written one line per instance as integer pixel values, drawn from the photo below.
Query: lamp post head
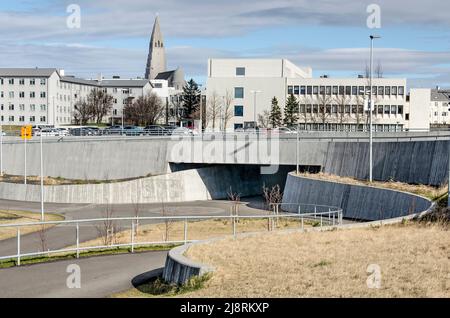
(375, 37)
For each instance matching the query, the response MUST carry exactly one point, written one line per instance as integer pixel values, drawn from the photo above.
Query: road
(64, 235)
(100, 276)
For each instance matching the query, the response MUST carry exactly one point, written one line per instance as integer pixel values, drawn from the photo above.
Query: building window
(296, 90)
(239, 111)
(316, 90)
(32, 94)
(348, 90)
(400, 109)
(11, 118)
(322, 90)
(22, 81)
(32, 119)
(335, 90)
(43, 108)
(42, 119)
(380, 90)
(238, 92)
(394, 90)
(387, 90)
(11, 94)
(32, 81)
(11, 107)
(11, 82)
(21, 118)
(238, 126)
(387, 109)
(328, 90)
(240, 71)
(21, 94)
(361, 90)
(43, 94)
(32, 107)
(22, 107)
(341, 90)
(393, 110)
(43, 81)
(406, 116)
(290, 90)
(309, 90)
(401, 90)
(354, 90)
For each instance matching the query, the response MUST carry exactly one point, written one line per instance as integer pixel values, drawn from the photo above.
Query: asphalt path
(62, 236)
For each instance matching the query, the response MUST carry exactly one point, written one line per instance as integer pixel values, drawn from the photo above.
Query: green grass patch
(158, 287)
(85, 254)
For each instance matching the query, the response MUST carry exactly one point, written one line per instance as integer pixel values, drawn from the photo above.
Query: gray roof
(165, 75)
(107, 82)
(27, 72)
(440, 95)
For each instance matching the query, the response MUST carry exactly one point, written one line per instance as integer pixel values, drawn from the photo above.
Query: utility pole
(42, 181)
(372, 37)
(254, 92)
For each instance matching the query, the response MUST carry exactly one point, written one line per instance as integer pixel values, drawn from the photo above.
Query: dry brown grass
(430, 192)
(14, 217)
(414, 261)
(197, 230)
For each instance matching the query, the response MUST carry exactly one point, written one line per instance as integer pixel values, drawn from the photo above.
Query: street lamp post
(201, 109)
(254, 92)
(372, 37)
(42, 180)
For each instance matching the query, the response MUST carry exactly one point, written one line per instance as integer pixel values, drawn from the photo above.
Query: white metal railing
(321, 217)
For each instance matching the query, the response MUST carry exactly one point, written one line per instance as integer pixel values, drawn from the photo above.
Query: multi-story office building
(440, 107)
(47, 97)
(324, 103)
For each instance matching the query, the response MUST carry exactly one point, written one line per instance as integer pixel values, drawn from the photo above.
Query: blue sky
(330, 36)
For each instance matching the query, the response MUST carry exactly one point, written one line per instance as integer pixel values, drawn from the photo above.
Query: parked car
(48, 132)
(113, 130)
(84, 131)
(182, 131)
(133, 131)
(62, 131)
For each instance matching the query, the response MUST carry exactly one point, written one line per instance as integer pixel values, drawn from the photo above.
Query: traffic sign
(26, 132)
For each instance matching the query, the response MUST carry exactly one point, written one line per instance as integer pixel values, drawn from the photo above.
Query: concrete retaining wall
(189, 185)
(179, 269)
(424, 161)
(358, 202)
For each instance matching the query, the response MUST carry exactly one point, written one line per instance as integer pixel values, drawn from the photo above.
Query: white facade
(254, 82)
(439, 107)
(47, 97)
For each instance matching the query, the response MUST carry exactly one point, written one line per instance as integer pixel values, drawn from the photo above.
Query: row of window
(32, 107)
(352, 109)
(22, 94)
(32, 119)
(21, 81)
(346, 90)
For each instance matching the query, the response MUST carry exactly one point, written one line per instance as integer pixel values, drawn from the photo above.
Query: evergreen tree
(291, 111)
(191, 99)
(275, 114)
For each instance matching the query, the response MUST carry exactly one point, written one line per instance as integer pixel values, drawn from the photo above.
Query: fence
(111, 233)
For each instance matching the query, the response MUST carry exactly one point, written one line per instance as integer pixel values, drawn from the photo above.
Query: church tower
(156, 61)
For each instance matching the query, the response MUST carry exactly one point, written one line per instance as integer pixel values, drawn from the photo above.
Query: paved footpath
(100, 276)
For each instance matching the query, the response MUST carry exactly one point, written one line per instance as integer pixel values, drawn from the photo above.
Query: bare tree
(81, 113)
(145, 110)
(303, 111)
(107, 230)
(213, 109)
(42, 233)
(227, 109)
(100, 104)
(324, 102)
(136, 212)
(167, 222)
(235, 199)
(379, 70)
(272, 195)
(264, 119)
(341, 102)
(360, 116)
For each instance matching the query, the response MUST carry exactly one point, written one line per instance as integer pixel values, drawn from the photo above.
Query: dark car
(113, 130)
(133, 131)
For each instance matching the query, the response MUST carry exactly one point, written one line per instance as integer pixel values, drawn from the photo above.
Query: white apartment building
(439, 107)
(324, 103)
(38, 96)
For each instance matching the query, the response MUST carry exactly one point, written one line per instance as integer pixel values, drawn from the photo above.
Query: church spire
(156, 61)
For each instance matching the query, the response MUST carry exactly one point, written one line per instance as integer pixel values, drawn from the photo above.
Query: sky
(331, 36)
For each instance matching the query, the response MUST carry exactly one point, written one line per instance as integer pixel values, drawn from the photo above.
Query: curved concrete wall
(189, 185)
(86, 158)
(358, 202)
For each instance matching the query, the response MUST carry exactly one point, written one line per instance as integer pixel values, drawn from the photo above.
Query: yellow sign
(26, 132)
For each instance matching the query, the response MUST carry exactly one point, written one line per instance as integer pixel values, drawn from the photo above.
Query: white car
(62, 131)
(48, 132)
